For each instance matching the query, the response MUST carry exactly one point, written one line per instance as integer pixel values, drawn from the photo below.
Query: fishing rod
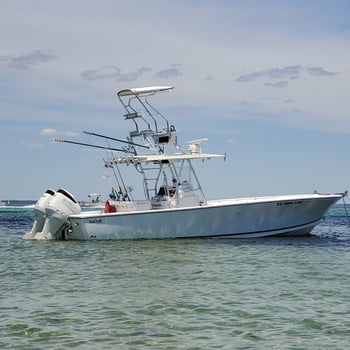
(114, 139)
(90, 145)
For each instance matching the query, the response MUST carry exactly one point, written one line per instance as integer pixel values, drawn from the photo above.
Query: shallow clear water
(276, 293)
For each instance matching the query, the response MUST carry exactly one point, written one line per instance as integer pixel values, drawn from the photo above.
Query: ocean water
(275, 293)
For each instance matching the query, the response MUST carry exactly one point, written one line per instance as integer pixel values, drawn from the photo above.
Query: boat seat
(162, 191)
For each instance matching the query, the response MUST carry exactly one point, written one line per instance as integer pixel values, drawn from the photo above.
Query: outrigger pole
(114, 139)
(90, 145)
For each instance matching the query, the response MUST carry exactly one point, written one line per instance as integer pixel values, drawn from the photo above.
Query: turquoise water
(276, 293)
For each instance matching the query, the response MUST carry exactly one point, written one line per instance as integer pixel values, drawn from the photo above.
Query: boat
(3, 203)
(174, 203)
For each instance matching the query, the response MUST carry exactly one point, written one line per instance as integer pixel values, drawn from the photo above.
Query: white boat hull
(230, 218)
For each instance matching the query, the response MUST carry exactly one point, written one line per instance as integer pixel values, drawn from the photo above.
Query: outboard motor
(40, 214)
(58, 210)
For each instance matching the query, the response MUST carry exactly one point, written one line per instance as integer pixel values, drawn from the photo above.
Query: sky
(267, 82)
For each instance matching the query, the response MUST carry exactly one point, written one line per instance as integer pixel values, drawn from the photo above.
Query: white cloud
(287, 72)
(319, 71)
(48, 132)
(53, 132)
(117, 74)
(104, 72)
(172, 72)
(27, 60)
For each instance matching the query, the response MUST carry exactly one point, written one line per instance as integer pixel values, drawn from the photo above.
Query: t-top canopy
(151, 158)
(144, 90)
